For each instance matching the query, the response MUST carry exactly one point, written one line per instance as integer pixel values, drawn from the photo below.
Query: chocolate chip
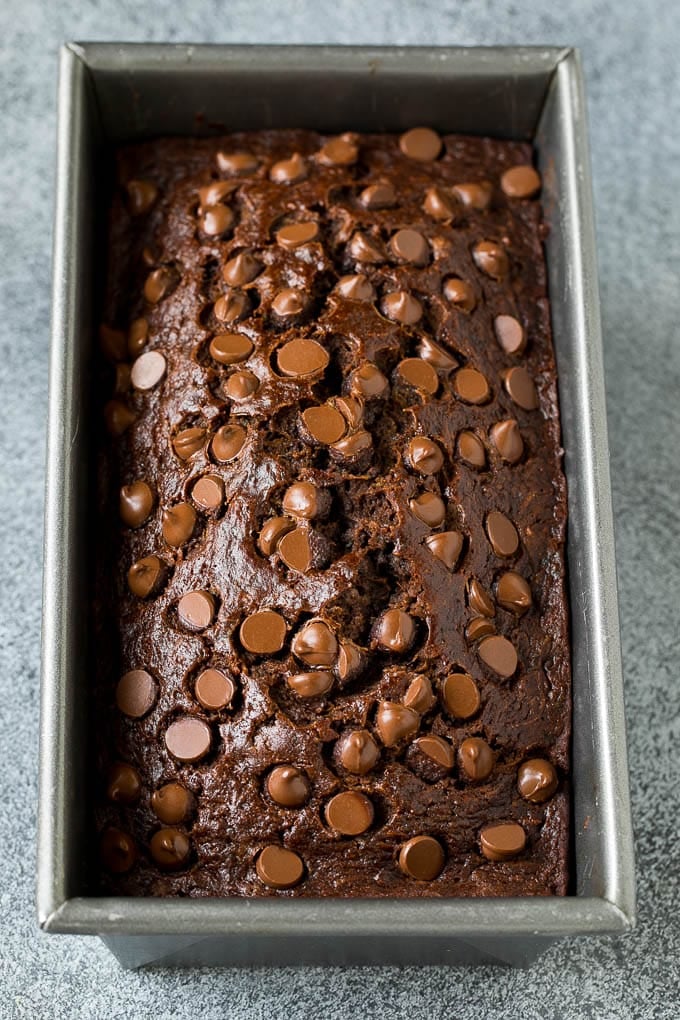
(461, 696)
(288, 786)
(313, 684)
(350, 813)
(435, 355)
(136, 693)
(395, 722)
(428, 508)
(315, 644)
(124, 784)
(213, 194)
(272, 532)
(351, 409)
(507, 439)
(289, 171)
(380, 195)
(289, 303)
(537, 780)
(521, 388)
(491, 258)
(509, 334)
(323, 424)
(241, 385)
(179, 522)
(419, 695)
(446, 546)
(306, 500)
(351, 447)
(293, 235)
(136, 503)
(141, 196)
(356, 288)
(521, 182)
(117, 850)
(146, 576)
(113, 343)
(227, 443)
(439, 205)
(188, 442)
(479, 628)
(424, 455)
(474, 195)
(159, 283)
(216, 221)
(295, 550)
(196, 610)
(479, 599)
(475, 758)
(436, 749)
(148, 370)
(188, 738)
(350, 661)
(241, 269)
(394, 631)
(471, 450)
(400, 306)
(358, 752)
(368, 381)
(502, 534)
(499, 655)
(230, 348)
(138, 334)
(240, 163)
(279, 868)
(420, 374)
(422, 858)
(302, 358)
(421, 143)
(410, 246)
(208, 492)
(503, 841)
(170, 849)
(513, 593)
(172, 803)
(340, 151)
(363, 248)
(232, 306)
(471, 386)
(118, 417)
(460, 293)
(214, 690)
(263, 633)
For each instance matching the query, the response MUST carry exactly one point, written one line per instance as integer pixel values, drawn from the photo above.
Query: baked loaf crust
(330, 613)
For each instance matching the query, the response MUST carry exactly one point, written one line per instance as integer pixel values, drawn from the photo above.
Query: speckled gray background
(631, 58)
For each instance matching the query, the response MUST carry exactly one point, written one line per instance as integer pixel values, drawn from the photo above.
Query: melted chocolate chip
(279, 868)
(447, 546)
(503, 841)
(263, 633)
(521, 182)
(350, 813)
(421, 143)
(422, 858)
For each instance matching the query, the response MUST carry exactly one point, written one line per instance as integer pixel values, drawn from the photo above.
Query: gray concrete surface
(630, 52)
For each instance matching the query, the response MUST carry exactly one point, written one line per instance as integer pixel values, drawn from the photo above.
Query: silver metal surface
(112, 92)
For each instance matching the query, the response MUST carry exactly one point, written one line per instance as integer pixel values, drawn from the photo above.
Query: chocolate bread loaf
(330, 612)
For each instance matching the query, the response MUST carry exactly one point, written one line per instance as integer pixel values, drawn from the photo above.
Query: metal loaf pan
(112, 93)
